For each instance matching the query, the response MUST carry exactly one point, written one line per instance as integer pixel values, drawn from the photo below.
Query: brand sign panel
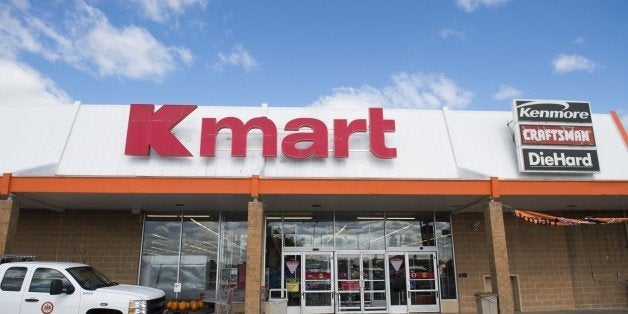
(565, 126)
(559, 160)
(565, 135)
(552, 111)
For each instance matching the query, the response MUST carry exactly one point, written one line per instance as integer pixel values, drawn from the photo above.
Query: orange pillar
(254, 256)
(500, 269)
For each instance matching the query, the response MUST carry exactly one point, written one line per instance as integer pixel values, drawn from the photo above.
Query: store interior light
(161, 216)
(203, 226)
(370, 218)
(400, 218)
(339, 231)
(273, 217)
(196, 216)
(297, 218)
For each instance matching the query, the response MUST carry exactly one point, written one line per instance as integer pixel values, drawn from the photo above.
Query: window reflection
(233, 259)
(403, 230)
(273, 254)
(160, 252)
(447, 272)
(184, 249)
(309, 231)
(354, 232)
(199, 254)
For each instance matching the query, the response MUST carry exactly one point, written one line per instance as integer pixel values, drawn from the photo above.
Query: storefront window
(160, 252)
(185, 249)
(233, 257)
(416, 229)
(273, 254)
(313, 230)
(199, 256)
(447, 272)
(359, 232)
(419, 252)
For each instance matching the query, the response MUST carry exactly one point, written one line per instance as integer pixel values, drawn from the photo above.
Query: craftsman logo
(566, 135)
(572, 160)
(548, 111)
(152, 129)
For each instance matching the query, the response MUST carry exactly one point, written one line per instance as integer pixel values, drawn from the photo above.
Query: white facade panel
(613, 156)
(96, 147)
(34, 137)
(483, 143)
(431, 144)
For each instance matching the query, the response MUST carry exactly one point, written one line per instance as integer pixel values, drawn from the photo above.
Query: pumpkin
(193, 305)
(183, 305)
(174, 305)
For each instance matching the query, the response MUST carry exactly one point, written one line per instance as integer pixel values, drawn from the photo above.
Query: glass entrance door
(361, 282)
(412, 282)
(317, 288)
(422, 283)
(308, 282)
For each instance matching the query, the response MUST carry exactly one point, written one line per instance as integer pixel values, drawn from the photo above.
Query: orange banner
(544, 219)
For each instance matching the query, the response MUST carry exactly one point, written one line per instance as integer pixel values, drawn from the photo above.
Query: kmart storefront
(326, 210)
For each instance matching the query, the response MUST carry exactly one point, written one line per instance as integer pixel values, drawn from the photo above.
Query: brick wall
(108, 240)
(472, 257)
(538, 256)
(599, 250)
(553, 264)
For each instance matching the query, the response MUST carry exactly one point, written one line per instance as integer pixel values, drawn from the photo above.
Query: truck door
(37, 298)
(11, 289)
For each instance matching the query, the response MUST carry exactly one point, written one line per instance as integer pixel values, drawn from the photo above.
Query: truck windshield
(89, 278)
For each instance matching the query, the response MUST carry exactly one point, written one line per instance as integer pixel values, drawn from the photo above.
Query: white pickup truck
(63, 288)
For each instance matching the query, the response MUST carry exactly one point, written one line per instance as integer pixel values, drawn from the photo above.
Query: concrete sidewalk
(588, 311)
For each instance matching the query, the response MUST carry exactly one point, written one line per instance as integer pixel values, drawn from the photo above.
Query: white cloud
(23, 85)
(570, 63)
(624, 120)
(448, 32)
(89, 42)
(579, 40)
(416, 90)
(507, 92)
(15, 37)
(238, 57)
(162, 10)
(352, 98)
(470, 5)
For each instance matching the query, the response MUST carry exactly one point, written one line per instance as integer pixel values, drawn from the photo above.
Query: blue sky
(463, 54)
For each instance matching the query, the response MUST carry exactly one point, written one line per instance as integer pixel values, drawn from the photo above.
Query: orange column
(254, 256)
(500, 269)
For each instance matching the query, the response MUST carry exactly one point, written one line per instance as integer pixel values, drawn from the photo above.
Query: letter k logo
(149, 128)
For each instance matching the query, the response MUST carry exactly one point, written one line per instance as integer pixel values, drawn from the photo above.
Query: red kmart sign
(152, 129)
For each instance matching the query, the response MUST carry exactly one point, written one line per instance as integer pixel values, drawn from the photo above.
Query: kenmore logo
(544, 111)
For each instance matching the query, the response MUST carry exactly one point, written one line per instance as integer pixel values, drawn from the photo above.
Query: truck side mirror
(56, 287)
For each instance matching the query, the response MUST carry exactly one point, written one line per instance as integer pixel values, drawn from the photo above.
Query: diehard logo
(560, 159)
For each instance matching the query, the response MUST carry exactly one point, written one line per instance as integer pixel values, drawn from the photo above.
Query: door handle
(31, 300)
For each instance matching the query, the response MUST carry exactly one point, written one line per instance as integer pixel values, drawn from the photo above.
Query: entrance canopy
(166, 194)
